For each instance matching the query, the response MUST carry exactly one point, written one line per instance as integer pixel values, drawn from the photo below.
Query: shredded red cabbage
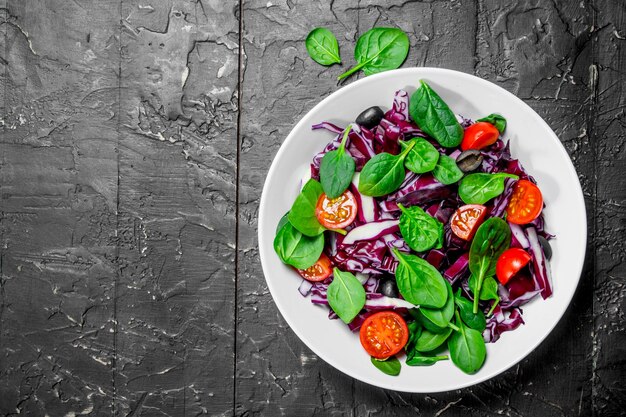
(366, 249)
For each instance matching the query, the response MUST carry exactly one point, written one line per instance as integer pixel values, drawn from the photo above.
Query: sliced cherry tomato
(510, 263)
(466, 220)
(336, 213)
(384, 334)
(319, 271)
(479, 135)
(526, 203)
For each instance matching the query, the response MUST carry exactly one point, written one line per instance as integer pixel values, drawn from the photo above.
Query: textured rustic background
(136, 135)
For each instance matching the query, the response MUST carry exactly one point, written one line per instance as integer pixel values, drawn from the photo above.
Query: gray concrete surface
(136, 135)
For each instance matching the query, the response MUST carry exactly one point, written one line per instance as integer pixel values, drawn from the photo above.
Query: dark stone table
(136, 135)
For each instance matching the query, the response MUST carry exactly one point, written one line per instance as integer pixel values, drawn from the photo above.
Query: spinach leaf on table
(446, 171)
(302, 214)
(481, 187)
(322, 47)
(477, 320)
(422, 158)
(419, 282)
(419, 229)
(495, 119)
(434, 117)
(296, 249)
(467, 348)
(492, 238)
(383, 174)
(337, 169)
(379, 49)
(346, 295)
(390, 366)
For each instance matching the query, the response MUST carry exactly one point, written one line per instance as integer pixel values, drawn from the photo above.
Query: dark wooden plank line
(177, 225)
(240, 63)
(58, 203)
(608, 123)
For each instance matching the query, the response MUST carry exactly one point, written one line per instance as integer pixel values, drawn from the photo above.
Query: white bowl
(532, 141)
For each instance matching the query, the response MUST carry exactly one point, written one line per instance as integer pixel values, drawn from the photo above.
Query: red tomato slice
(319, 271)
(466, 220)
(510, 263)
(384, 334)
(479, 135)
(526, 203)
(336, 213)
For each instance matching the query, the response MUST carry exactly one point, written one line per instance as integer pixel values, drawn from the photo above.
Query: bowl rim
(580, 257)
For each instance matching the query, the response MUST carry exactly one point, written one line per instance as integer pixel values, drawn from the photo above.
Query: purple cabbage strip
(305, 287)
(517, 292)
(518, 237)
(499, 323)
(400, 109)
(371, 231)
(435, 257)
(423, 189)
(328, 126)
(389, 264)
(457, 269)
(393, 240)
(358, 321)
(540, 268)
(502, 201)
(367, 209)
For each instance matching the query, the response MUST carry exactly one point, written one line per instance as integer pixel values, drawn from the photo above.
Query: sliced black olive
(469, 160)
(371, 117)
(545, 245)
(389, 288)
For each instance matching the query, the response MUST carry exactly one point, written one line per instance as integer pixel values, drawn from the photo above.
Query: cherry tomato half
(510, 263)
(479, 135)
(336, 213)
(319, 271)
(384, 334)
(466, 220)
(526, 203)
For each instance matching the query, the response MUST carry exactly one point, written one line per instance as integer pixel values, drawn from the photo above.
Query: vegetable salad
(420, 231)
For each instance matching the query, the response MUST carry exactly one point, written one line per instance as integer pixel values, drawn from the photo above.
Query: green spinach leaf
(337, 169)
(480, 187)
(322, 46)
(434, 117)
(379, 49)
(296, 249)
(346, 295)
(467, 348)
(383, 174)
(419, 229)
(283, 220)
(446, 171)
(302, 214)
(422, 158)
(441, 317)
(475, 321)
(488, 291)
(492, 238)
(420, 359)
(419, 282)
(428, 341)
(495, 119)
(390, 366)
(415, 330)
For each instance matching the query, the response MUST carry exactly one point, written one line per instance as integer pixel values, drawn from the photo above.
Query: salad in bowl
(420, 231)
